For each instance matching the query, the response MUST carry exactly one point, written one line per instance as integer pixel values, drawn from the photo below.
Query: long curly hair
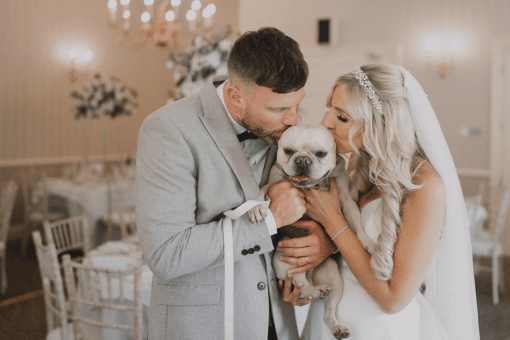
(390, 141)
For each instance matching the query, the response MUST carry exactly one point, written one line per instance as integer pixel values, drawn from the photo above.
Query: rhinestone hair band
(369, 89)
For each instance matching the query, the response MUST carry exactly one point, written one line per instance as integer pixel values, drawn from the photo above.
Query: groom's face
(268, 114)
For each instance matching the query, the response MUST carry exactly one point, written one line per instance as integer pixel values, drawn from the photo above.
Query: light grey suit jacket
(190, 169)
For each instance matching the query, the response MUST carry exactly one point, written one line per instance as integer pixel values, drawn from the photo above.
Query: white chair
(121, 211)
(39, 205)
(88, 286)
(69, 234)
(473, 212)
(7, 200)
(487, 243)
(53, 287)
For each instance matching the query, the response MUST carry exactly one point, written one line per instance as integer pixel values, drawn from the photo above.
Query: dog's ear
(339, 167)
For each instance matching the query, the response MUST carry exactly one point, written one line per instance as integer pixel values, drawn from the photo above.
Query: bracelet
(339, 232)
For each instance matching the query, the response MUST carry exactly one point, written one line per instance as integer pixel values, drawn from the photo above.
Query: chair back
(121, 197)
(501, 218)
(53, 287)
(90, 287)
(477, 205)
(121, 208)
(34, 191)
(69, 234)
(7, 200)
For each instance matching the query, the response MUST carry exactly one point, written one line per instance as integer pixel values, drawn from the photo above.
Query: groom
(196, 158)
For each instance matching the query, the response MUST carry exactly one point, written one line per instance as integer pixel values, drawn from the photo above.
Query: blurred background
(79, 77)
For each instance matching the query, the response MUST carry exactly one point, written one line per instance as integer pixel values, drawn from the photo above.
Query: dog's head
(306, 154)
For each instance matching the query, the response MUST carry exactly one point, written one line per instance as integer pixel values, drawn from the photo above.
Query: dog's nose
(303, 161)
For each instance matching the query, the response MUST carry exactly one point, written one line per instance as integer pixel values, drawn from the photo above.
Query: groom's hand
(287, 203)
(292, 296)
(309, 251)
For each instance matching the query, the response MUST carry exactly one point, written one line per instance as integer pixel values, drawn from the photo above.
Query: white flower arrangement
(205, 59)
(105, 98)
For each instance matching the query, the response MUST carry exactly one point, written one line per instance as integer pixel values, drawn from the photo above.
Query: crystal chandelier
(164, 29)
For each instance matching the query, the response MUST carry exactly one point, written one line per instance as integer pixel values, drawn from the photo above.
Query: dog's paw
(257, 214)
(320, 292)
(340, 332)
(324, 291)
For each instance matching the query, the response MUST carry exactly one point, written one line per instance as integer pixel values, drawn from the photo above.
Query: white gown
(363, 317)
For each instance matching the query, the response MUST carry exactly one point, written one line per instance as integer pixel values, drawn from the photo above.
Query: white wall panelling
(322, 76)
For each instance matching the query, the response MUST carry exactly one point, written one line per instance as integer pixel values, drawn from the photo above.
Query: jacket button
(256, 248)
(251, 251)
(261, 286)
(244, 252)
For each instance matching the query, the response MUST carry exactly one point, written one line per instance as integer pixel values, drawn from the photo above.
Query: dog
(307, 157)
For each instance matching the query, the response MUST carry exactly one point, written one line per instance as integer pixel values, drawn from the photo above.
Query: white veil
(450, 287)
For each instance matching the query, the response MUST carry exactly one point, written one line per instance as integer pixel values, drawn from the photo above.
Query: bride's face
(339, 122)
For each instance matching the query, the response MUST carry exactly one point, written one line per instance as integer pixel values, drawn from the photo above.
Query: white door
(327, 64)
(506, 115)
(500, 123)
(500, 113)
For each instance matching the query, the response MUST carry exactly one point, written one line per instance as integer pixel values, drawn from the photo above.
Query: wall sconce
(73, 53)
(444, 64)
(85, 57)
(441, 51)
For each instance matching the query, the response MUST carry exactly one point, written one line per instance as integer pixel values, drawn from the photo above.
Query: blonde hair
(390, 141)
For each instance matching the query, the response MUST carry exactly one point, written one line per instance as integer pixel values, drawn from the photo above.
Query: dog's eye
(321, 154)
(288, 152)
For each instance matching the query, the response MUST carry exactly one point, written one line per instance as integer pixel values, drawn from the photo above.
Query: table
(91, 198)
(122, 254)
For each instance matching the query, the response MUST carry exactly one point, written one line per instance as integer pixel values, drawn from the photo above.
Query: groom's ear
(234, 96)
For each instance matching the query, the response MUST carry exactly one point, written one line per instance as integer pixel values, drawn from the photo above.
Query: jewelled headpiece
(369, 88)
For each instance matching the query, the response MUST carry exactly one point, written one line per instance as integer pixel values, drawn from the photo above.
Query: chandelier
(165, 28)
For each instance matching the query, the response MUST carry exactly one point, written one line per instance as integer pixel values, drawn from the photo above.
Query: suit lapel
(271, 155)
(218, 125)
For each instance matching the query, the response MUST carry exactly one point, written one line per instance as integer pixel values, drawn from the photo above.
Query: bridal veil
(450, 288)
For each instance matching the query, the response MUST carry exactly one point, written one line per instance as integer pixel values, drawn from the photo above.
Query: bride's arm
(423, 214)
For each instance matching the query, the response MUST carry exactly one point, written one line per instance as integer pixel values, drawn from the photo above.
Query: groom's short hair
(269, 58)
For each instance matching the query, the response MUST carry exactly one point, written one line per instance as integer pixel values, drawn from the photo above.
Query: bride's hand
(323, 206)
(306, 252)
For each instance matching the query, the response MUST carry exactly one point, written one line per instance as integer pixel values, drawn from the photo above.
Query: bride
(414, 211)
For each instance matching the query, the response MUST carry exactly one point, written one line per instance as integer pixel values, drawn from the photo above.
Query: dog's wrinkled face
(306, 153)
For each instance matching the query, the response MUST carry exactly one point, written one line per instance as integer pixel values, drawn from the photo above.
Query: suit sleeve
(166, 182)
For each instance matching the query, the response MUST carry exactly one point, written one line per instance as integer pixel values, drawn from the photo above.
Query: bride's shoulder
(432, 185)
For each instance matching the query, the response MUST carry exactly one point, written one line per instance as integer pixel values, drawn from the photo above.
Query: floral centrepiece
(205, 59)
(102, 97)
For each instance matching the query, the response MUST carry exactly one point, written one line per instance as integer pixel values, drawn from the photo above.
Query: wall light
(84, 57)
(441, 51)
(73, 53)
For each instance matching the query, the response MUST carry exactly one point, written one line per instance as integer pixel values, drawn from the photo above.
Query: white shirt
(256, 156)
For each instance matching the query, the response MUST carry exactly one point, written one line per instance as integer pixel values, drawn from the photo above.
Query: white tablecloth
(90, 198)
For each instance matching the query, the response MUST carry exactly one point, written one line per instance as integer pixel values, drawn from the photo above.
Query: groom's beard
(269, 136)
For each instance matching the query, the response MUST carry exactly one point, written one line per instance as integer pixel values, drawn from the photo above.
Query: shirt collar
(238, 129)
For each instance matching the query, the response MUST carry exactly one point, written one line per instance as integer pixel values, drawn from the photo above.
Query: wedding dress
(360, 313)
